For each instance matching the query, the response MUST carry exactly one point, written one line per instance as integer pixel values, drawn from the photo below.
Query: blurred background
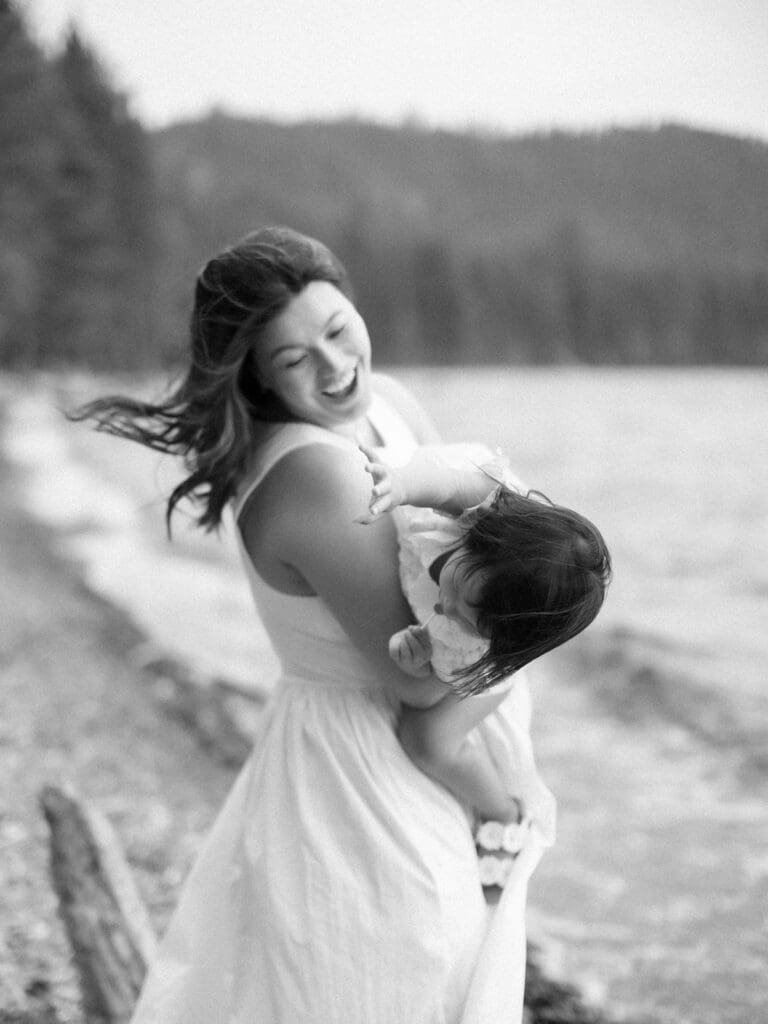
(511, 182)
(555, 217)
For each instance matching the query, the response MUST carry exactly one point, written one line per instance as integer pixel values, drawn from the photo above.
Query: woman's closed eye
(295, 362)
(336, 332)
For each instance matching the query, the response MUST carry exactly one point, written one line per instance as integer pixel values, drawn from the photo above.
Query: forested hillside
(627, 246)
(77, 216)
(646, 246)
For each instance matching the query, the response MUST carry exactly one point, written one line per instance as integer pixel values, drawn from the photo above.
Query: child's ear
(469, 516)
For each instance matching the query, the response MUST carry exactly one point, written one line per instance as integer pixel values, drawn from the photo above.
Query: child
(514, 576)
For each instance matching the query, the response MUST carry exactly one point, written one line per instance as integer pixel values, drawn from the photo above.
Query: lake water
(651, 729)
(673, 467)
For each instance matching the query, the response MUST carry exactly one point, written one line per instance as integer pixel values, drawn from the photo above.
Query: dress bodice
(307, 638)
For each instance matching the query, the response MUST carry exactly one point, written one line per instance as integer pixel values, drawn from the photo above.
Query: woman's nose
(332, 358)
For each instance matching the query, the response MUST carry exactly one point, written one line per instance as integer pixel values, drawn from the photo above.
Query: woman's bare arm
(435, 739)
(302, 519)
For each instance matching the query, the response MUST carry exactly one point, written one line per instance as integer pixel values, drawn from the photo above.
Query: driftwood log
(106, 921)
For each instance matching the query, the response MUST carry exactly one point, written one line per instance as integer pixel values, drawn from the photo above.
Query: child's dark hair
(546, 570)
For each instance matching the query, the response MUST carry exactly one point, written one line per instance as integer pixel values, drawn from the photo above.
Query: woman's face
(316, 358)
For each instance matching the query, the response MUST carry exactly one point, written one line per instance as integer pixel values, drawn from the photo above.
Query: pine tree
(76, 210)
(104, 219)
(27, 178)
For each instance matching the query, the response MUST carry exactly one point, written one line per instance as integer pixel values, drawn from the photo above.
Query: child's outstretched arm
(435, 738)
(426, 480)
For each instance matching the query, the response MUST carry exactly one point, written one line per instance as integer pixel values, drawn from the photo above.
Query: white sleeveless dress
(338, 885)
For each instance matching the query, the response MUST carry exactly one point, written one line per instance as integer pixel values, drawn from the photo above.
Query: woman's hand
(387, 491)
(411, 651)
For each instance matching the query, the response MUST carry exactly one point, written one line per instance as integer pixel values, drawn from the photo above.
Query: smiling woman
(339, 882)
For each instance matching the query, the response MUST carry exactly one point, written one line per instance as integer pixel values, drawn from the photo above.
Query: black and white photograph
(384, 512)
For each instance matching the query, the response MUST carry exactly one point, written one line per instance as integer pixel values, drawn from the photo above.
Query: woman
(339, 883)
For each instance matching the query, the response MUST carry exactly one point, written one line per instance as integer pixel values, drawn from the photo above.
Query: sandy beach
(75, 710)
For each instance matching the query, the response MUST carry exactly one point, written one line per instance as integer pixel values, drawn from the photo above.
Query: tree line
(629, 246)
(77, 237)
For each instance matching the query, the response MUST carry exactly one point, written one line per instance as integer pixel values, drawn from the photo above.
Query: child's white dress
(423, 535)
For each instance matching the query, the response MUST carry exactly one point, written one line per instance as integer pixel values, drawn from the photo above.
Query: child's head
(528, 576)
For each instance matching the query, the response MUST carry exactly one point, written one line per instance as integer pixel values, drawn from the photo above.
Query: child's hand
(411, 650)
(386, 492)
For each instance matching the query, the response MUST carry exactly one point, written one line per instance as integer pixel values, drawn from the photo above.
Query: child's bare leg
(436, 740)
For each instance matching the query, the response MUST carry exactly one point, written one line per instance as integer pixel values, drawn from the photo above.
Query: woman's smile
(343, 388)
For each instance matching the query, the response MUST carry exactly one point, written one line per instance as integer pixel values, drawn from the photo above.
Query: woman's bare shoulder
(314, 475)
(405, 403)
(312, 494)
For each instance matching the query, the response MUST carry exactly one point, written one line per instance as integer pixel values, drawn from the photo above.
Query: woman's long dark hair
(211, 417)
(545, 572)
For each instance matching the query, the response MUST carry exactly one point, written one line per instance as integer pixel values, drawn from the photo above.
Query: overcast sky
(515, 65)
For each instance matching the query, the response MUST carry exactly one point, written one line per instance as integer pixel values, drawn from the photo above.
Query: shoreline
(75, 711)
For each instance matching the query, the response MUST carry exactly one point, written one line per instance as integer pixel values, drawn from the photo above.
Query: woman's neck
(361, 431)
